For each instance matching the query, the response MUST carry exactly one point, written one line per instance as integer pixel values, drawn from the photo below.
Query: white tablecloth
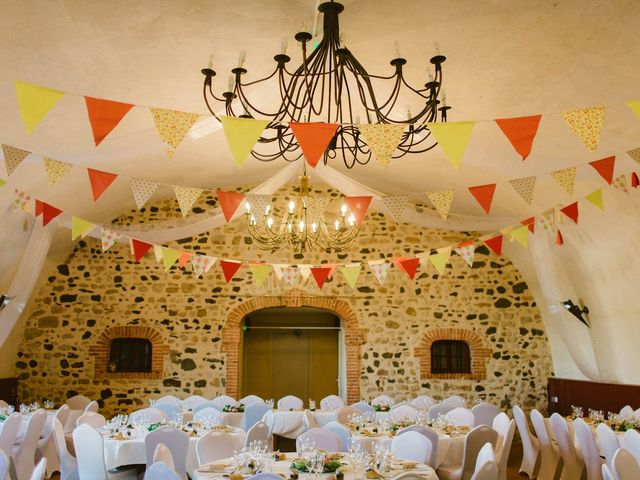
(132, 452)
(282, 468)
(233, 419)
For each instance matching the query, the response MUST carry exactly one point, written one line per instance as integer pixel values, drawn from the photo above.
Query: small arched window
(450, 356)
(130, 355)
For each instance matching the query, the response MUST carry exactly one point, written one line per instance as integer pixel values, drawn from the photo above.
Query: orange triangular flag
(229, 268)
(484, 195)
(358, 206)
(229, 203)
(571, 211)
(104, 115)
(635, 181)
(49, 212)
(495, 244)
(605, 168)
(320, 274)
(559, 239)
(530, 223)
(184, 258)
(313, 138)
(410, 265)
(139, 248)
(38, 208)
(397, 261)
(100, 181)
(520, 131)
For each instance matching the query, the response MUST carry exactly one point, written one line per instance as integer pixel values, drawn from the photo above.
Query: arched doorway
(352, 336)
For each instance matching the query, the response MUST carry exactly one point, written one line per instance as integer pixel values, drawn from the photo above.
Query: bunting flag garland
(184, 258)
(108, 238)
(2, 183)
(258, 203)
(157, 251)
(229, 268)
(520, 131)
(380, 269)
(202, 264)
(587, 124)
(521, 235)
(605, 168)
(397, 261)
(260, 271)
(358, 207)
(186, 196)
(559, 239)
(595, 198)
(620, 183)
(291, 276)
(396, 206)
(172, 126)
(495, 244)
(170, 256)
(49, 212)
(39, 207)
(566, 178)
(229, 203)
(313, 139)
(320, 275)
(442, 201)
(634, 105)
(525, 187)
(13, 157)
(467, 251)
(139, 248)
(35, 102)
(242, 135)
(80, 227)
(571, 211)
(410, 266)
(530, 223)
(453, 139)
(440, 259)
(278, 269)
(547, 220)
(351, 273)
(635, 181)
(635, 154)
(382, 139)
(332, 269)
(305, 271)
(56, 170)
(100, 181)
(484, 195)
(104, 116)
(142, 190)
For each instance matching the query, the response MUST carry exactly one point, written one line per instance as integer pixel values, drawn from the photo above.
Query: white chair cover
(290, 402)
(320, 438)
(572, 463)
(606, 472)
(68, 463)
(363, 407)
(39, 470)
(207, 404)
(172, 409)
(78, 402)
(439, 409)
(505, 440)
(588, 449)
(92, 407)
(212, 413)
(3, 404)
(94, 419)
(343, 432)
(530, 445)
(259, 432)
(473, 442)
(309, 420)
(456, 400)
(484, 413)
(331, 402)
(607, 441)
(461, 416)
(432, 435)
(423, 402)
(176, 441)
(224, 400)
(163, 454)
(550, 462)
(383, 400)
(24, 456)
(265, 476)
(344, 414)
(486, 454)
(148, 415)
(409, 476)
(89, 447)
(193, 401)
(160, 471)
(253, 413)
(627, 411)
(403, 411)
(625, 466)
(487, 471)
(9, 433)
(214, 446)
(631, 442)
(169, 399)
(412, 446)
(251, 399)
(62, 415)
(4, 464)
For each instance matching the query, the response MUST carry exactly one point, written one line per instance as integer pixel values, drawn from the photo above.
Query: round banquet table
(133, 451)
(223, 467)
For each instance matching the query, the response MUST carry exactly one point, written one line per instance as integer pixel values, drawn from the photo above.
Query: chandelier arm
(249, 84)
(206, 101)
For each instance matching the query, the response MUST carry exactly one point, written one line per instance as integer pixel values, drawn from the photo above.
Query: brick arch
(100, 351)
(352, 334)
(479, 353)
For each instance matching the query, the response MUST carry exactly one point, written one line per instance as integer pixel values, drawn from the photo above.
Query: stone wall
(94, 292)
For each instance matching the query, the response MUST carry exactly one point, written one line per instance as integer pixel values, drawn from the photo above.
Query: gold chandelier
(302, 227)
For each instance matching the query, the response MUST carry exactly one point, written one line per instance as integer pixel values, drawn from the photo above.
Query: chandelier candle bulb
(337, 225)
(247, 205)
(301, 226)
(284, 43)
(343, 209)
(267, 209)
(242, 58)
(314, 227)
(269, 223)
(292, 205)
(396, 49)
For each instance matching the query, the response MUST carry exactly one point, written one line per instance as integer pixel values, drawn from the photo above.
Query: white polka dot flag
(396, 205)
(467, 251)
(525, 187)
(142, 190)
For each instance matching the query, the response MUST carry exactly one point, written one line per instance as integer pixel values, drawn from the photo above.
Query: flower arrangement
(331, 463)
(153, 426)
(381, 407)
(238, 408)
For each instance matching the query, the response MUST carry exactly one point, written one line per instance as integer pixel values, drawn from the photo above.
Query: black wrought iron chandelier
(332, 86)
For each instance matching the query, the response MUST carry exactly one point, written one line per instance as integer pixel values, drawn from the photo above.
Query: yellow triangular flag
(186, 196)
(157, 251)
(586, 123)
(260, 272)
(521, 235)
(170, 256)
(634, 105)
(440, 259)
(242, 135)
(13, 157)
(80, 227)
(2, 183)
(382, 139)
(35, 102)
(442, 200)
(595, 197)
(453, 138)
(351, 273)
(566, 178)
(56, 170)
(172, 126)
